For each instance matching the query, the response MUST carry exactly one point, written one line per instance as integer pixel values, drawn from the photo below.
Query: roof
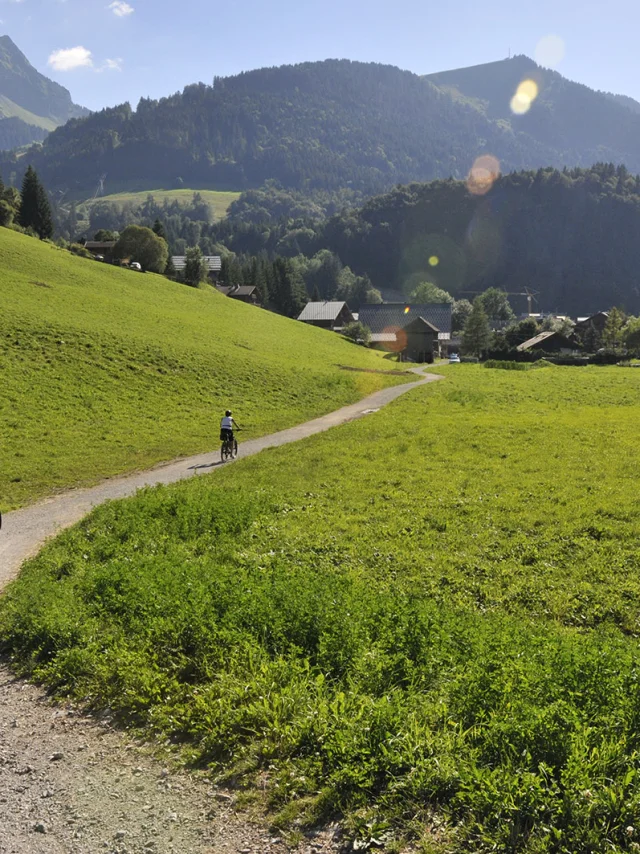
(99, 245)
(213, 262)
(322, 311)
(540, 338)
(236, 290)
(397, 315)
(390, 333)
(584, 320)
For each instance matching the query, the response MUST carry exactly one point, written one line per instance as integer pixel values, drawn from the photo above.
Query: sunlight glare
(525, 96)
(484, 173)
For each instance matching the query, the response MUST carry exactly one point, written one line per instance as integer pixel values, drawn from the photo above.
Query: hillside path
(24, 531)
(70, 783)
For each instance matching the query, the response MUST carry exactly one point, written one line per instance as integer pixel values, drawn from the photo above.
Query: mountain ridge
(337, 123)
(30, 103)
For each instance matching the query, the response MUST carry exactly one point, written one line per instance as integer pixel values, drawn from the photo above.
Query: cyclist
(227, 425)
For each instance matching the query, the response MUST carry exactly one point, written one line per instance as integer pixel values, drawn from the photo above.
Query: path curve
(24, 531)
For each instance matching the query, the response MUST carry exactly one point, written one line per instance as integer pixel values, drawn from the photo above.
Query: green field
(218, 200)
(426, 621)
(107, 370)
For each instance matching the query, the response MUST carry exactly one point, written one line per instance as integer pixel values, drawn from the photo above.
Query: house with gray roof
(549, 342)
(416, 332)
(327, 314)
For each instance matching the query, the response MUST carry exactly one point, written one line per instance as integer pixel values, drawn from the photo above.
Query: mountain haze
(31, 105)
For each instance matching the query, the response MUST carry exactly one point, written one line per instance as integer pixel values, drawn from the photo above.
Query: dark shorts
(225, 434)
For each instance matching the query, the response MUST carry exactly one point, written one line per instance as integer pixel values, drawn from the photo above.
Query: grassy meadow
(425, 621)
(219, 200)
(107, 370)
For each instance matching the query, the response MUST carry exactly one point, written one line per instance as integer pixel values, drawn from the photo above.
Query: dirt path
(70, 783)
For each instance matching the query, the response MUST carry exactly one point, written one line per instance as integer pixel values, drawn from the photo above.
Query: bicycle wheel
(224, 451)
(234, 449)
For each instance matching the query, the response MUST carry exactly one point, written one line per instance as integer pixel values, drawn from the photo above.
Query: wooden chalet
(327, 314)
(549, 342)
(244, 293)
(103, 248)
(416, 332)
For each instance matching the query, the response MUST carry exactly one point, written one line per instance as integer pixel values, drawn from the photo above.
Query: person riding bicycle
(227, 425)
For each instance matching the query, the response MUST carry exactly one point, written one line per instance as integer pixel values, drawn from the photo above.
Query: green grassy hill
(219, 200)
(106, 370)
(439, 639)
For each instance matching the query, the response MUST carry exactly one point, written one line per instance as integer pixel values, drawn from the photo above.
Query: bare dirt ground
(73, 784)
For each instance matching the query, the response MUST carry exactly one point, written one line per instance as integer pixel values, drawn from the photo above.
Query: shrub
(506, 365)
(357, 332)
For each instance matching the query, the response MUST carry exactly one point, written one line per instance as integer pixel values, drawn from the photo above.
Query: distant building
(244, 293)
(417, 332)
(550, 342)
(213, 262)
(596, 322)
(326, 315)
(103, 248)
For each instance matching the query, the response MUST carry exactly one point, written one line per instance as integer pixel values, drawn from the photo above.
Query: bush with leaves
(357, 332)
(137, 243)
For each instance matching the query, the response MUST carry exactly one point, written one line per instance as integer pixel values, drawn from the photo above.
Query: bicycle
(229, 449)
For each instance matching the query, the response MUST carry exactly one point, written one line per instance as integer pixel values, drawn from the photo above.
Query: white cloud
(112, 64)
(121, 8)
(71, 58)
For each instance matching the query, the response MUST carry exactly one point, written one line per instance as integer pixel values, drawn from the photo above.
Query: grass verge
(425, 621)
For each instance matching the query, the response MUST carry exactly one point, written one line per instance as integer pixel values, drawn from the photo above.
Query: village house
(549, 342)
(101, 249)
(244, 293)
(596, 322)
(327, 314)
(416, 332)
(213, 264)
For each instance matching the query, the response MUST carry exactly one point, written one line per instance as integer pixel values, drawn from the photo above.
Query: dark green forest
(570, 235)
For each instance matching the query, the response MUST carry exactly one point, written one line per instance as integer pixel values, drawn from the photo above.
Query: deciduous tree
(137, 243)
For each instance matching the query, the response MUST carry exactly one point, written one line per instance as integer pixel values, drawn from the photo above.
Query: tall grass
(425, 621)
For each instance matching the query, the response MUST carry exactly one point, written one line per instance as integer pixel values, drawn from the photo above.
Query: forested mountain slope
(316, 125)
(572, 236)
(580, 125)
(30, 103)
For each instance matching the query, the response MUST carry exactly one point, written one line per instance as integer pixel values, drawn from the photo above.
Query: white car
(453, 358)
(134, 265)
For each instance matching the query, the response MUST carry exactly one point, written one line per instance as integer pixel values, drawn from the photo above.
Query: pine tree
(477, 334)
(159, 229)
(35, 210)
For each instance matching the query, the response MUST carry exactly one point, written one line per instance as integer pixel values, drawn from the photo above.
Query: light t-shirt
(227, 423)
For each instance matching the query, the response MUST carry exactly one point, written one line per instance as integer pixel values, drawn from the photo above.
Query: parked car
(453, 358)
(134, 265)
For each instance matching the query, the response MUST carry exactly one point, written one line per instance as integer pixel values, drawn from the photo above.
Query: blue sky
(109, 51)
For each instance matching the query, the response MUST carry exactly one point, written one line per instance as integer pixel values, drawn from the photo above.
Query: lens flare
(525, 95)
(434, 261)
(550, 51)
(483, 175)
(394, 339)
